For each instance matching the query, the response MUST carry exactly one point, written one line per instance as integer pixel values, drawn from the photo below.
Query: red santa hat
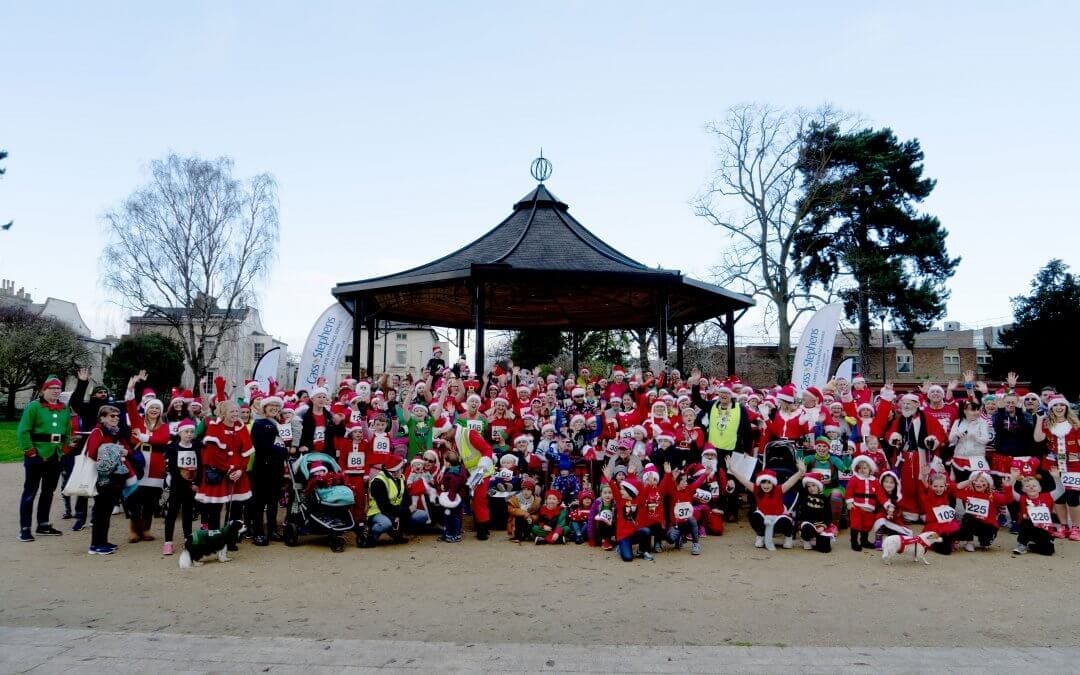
(911, 397)
(631, 486)
(864, 459)
(289, 408)
(863, 406)
(857, 378)
(473, 397)
(547, 427)
(709, 450)
(786, 393)
(814, 478)
(176, 394)
(394, 463)
(443, 426)
(522, 438)
(575, 418)
(650, 470)
(815, 392)
(186, 424)
(766, 476)
(618, 369)
(666, 433)
(500, 399)
(586, 493)
(153, 402)
(351, 426)
(832, 427)
(1057, 399)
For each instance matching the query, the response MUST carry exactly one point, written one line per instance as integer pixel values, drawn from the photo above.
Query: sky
(398, 132)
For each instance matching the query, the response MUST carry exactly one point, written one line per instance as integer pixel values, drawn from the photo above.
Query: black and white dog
(203, 543)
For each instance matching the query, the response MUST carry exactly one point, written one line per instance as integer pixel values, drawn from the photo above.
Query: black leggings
(104, 502)
(181, 503)
(266, 486)
(602, 531)
(783, 524)
(974, 528)
(212, 513)
(1070, 498)
(1036, 539)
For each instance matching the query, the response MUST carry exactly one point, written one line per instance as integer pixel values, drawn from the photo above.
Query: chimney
(951, 326)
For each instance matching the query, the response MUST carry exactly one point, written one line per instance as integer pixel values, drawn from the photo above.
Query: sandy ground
(496, 591)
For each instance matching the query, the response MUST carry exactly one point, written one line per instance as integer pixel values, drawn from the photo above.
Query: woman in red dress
(226, 448)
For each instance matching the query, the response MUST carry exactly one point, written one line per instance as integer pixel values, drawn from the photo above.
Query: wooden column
(478, 326)
(357, 333)
(680, 338)
(370, 327)
(729, 328)
(460, 345)
(662, 328)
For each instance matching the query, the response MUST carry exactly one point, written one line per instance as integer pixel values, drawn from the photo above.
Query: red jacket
(153, 450)
(627, 513)
(679, 499)
(982, 505)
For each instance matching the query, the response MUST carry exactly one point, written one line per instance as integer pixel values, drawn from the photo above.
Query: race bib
(844, 475)
(944, 513)
(704, 496)
(381, 444)
(285, 432)
(174, 428)
(356, 417)
(604, 517)
(980, 508)
(475, 425)
(1039, 515)
(626, 433)
(1071, 480)
(714, 489)
(320, 435)
(186, 459)
(683, 511)
(354, 461)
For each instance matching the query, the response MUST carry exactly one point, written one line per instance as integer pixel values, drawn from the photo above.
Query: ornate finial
(541, 168)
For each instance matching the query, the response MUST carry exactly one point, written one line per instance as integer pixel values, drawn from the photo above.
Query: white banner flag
(266, 368)
(325, 347)
(846, 369)
(813, 358)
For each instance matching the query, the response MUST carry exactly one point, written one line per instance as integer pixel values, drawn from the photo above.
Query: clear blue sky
(399, 131)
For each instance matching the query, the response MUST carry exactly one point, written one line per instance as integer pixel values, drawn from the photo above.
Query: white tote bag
(84, 477)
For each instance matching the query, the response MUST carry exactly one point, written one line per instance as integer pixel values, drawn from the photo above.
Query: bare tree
(32, 347)
(757, 195)
(190, 246)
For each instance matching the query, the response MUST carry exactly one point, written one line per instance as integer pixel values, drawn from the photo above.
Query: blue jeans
(41, 474)
(626, 546)
(452, 523)
(579, 530)
(380, 524)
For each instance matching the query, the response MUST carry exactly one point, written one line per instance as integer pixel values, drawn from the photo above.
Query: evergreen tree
(1039, 344)
(160, 356)
(867, 231)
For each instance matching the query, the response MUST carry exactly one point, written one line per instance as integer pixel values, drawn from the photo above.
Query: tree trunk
(10, 408)
(783, 373)
(864, 331)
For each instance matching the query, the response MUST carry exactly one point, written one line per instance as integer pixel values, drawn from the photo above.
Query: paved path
(54, 650)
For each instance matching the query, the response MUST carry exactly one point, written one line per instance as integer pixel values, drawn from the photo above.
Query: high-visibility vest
(395, 489)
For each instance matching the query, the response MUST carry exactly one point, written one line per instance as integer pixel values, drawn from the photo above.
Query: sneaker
(759, 542)
(969, 547)
(1020, 549)
(695, 548)
(24, 534)
(1060, 532)
(47, 530)
(166, 548)
(539, 541)
(67, 516)
(101, 550)
(809, 546)
(79, 524)
(646, 556)
(658, 548)
(116, 510)
(112, 545)
(607, 546)
(1074, 533)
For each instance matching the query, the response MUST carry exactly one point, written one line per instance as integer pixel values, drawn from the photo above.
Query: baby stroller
(324, 510)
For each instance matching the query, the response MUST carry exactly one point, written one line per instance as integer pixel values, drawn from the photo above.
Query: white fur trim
(236, 497)
(215, 440)
(248, 453)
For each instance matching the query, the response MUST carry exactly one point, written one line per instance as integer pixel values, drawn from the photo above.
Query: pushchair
(324, 510)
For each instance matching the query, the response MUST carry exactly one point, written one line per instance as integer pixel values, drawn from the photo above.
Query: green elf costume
(43, 433)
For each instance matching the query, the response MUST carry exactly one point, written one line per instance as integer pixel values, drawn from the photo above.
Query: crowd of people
(629, 461)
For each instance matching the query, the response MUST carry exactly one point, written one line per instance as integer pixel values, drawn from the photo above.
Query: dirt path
(495, 591)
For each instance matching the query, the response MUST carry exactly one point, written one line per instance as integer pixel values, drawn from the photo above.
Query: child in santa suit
(679, 492)
(504, 484)
(353, 453)
(715, 496)
(652, 513)
(580, 514)
(628, 531)
(601, 529)
(939, 501)
(1036, 512)
(870, 447)
(864, 499)
(420, 487)
(814, 515)
(771, 517)
(452, 494)
(981, 505)
(889, 518)
(549, 526)
(521, 511)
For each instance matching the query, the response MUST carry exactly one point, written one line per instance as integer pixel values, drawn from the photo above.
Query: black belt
(47, 438)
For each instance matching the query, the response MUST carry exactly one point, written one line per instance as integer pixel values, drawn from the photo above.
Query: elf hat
(864, 459)
(814, 478)
(528, 483)
(766, 476)
(585, 493)
(186, 424)
(553, 493)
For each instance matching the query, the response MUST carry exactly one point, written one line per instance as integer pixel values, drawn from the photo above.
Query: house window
(903, 364)
(401, 354)
(402, 336)
(952, 364)
(982, 363)
(348, 358)
(259, 349)
(208, 382)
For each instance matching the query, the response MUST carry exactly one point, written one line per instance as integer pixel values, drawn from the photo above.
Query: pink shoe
(1060, 532)
(1074, 533)
(166, 548)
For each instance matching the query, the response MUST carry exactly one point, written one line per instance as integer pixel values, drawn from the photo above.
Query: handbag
(213, 476)
(83, 479)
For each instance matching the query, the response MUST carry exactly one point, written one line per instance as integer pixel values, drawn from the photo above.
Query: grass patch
(9, 451)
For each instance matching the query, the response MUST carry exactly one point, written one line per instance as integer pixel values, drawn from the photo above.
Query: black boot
(865, 540)
(482, 531)
(855, 545)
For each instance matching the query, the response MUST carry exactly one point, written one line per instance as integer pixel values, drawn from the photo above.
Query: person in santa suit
(689, 437)
(915, 436)
(318, 427)
(150, 436)
(813, 406)
(859, 391)
(981, 504)
(715, 497)
(478, 463)
(771, 516)
(354, 453)
(938, 499)
(1060, 429)
(500, 417)
(790, 423)
(226, 448)
(864, 500)
(946, 413)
